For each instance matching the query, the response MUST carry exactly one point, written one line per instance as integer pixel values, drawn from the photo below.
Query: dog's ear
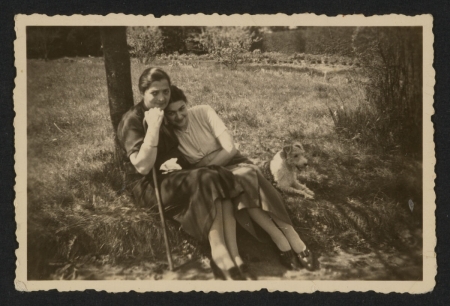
(299, 145)
(286, 151)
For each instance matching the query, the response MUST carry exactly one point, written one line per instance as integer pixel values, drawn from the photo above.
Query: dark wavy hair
(177, 94)
(151, 75)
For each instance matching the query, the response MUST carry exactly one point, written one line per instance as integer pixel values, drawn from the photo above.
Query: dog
(283, 168)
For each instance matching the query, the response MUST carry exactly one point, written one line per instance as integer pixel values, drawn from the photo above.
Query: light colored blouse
(200, 137)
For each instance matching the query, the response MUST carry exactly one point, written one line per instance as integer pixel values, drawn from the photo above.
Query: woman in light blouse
(204, 140)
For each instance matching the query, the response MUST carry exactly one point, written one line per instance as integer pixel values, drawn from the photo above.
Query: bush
(329, 40)
(226, 44)
(50, 42)
(43, 41)
(360, 122)
(391, 58)
(144, 42)
(287, 41)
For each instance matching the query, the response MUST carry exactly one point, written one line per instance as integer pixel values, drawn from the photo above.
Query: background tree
(83, 41)
(118, 76)
(42, 41)
(392, 61)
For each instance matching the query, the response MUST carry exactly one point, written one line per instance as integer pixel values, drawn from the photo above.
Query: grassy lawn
(78, 212)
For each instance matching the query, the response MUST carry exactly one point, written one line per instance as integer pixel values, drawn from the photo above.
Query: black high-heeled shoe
(246, 272)
(234, 272)
(218, 273)
(289, 260)
(306, 258)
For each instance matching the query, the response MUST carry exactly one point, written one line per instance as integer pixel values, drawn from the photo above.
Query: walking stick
(161, 210)
(163, 221)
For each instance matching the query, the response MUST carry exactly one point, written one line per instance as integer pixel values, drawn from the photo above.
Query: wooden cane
(163, 221)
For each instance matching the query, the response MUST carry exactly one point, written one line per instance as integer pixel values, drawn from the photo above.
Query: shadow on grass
(357, 229)
(353, 214)
(92, 220)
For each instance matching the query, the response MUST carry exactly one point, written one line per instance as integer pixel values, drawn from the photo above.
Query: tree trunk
(118, 79)
(118, 75)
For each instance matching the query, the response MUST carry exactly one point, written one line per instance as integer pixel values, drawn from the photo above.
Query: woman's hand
(222, 157)
(154, 118)
(144, 160)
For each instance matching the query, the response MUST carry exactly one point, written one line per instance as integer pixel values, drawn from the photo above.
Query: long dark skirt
(189, 196)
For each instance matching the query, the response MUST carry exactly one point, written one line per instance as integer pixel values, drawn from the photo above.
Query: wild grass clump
(360, 121)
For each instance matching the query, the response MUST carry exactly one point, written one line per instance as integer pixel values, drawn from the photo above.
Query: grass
(78, 212)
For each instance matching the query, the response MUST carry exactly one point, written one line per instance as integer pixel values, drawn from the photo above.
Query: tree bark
(118, 74)
(118, 79)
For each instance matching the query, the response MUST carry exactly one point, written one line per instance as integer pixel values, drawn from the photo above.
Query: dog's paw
(310, 192)
(307, 193)
(309, 196)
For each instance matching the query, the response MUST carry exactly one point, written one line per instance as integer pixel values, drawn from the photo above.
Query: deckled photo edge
(20, 98)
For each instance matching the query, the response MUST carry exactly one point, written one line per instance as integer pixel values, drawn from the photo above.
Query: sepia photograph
(193, 153)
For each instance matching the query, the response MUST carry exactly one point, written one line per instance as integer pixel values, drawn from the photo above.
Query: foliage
(84, 41)
(284, 41)
(388, 106)
(176, 39)
(144, 42)
(226, 44)
(392, 62)
(329, 40)
(43, 40)
(52, 42)
(358, 120)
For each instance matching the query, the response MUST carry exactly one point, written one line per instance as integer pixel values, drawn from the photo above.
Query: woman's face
(157, 95)
(176, 114)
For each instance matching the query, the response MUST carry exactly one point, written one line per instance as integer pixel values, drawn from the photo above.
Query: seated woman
(204, 140)
(199, 199)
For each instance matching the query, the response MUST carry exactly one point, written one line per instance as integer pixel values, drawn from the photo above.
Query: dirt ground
(388, 264)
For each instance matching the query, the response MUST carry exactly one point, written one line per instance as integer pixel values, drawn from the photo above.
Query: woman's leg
(291, 235)
(303, 254)
(229, 223)
(216, 237)
(263, 220)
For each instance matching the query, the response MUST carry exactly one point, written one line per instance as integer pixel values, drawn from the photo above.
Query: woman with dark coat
(199, 199)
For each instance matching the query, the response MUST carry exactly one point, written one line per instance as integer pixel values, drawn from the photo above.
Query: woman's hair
(176, 94)
(151, 75)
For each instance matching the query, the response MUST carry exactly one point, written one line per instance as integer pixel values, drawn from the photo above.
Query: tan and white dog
(285, 166)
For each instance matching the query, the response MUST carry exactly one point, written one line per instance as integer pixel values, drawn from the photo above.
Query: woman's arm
(224, 156)
(145, 158)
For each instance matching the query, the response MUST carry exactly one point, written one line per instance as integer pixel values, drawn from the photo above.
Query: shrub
(144, 42)
(329, 40)
(226, 44)
(287, 41)
(359, 121)
(42, 40)
(391, 58)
